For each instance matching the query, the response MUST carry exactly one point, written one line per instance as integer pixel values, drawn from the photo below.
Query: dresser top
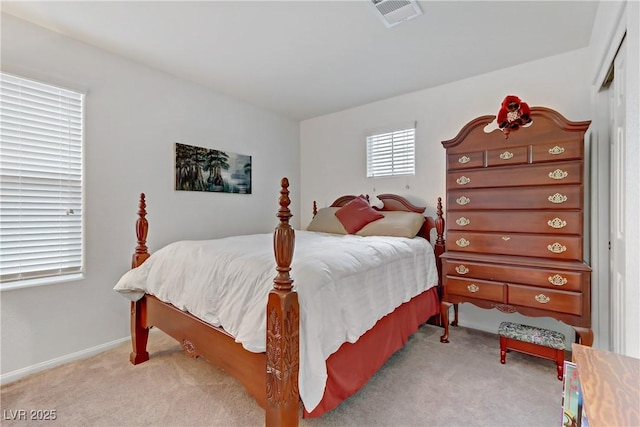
(547, 125)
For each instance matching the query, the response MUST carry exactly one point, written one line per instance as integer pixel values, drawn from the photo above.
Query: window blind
(391, 153)
(41, 134)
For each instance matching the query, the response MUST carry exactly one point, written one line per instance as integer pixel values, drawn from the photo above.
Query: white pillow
(326, 221)
(394, 223)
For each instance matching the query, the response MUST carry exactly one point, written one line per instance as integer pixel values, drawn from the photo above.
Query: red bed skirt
(354, 364)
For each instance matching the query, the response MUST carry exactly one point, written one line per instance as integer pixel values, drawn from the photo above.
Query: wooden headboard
(394, 202)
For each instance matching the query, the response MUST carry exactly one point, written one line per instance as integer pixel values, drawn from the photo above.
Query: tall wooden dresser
(515, 221)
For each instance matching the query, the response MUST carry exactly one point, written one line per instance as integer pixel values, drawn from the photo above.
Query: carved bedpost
(439, 250)
(283, 324)
(139, 333)
(142, 227)
(439, 245)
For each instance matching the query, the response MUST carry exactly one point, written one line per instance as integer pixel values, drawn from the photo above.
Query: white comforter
(345, 284)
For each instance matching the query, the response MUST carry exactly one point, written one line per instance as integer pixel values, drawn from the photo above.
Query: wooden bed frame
(270, 377)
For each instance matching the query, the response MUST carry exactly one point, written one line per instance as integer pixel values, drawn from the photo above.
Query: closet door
(618, 168)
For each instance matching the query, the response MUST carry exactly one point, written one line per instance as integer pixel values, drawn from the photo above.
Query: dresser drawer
(508, 156)
(543, 174)
(540, 277)
(465, 160)
(547, 197)
(543, 246)
(549, 222)
(545, 299)
(471, 288)
(557, 151)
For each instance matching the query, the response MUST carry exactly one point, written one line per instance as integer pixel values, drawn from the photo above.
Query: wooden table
(610, 386)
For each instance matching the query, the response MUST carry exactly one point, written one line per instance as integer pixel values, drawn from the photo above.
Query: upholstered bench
(531, 340)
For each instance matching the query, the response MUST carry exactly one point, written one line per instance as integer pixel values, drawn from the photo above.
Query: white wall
(333, 146)
(134, 115)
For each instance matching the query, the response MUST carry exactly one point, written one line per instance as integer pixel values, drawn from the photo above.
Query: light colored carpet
(424, 384)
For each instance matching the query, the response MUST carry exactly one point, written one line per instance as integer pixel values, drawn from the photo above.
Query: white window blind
(391, 153)
(41, 180)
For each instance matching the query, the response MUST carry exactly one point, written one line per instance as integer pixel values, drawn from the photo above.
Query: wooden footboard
(270, 377)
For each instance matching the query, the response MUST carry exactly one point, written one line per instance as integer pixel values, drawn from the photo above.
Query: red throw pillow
(356, 214)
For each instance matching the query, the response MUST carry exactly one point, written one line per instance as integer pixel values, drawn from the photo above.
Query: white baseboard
(12, 376)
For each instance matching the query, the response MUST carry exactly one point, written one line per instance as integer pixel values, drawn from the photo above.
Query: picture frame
(211, 170)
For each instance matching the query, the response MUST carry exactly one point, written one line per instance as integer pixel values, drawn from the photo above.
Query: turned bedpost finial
(439, 223)
(315, 208)
(142, 227)
(283, 241)
(284, 213)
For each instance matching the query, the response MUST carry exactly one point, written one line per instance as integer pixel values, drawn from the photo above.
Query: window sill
(41, 281)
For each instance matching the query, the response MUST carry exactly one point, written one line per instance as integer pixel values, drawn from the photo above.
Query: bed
(349, 354)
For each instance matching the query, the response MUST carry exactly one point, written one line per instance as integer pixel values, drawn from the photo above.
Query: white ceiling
(308, 58)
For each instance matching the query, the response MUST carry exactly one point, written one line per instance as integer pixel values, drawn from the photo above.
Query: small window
(391, 153)
(40, 181)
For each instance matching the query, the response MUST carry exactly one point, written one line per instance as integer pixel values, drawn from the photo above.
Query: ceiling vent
(394, 12)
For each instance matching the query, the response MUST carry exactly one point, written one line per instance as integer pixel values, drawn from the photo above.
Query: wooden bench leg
(503, 350)
(560, 362)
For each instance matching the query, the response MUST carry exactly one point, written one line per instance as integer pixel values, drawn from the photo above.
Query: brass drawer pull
(463, 180)
(473, 288)
(542, 298)
(464, 159)
(557, 280)
(461, 269)
(558, 174)
(557, 198)
(557, 248)
(463, 200)
(462, 221)
(462, 242)
(557, 223)
(506, 155)
(556, 150)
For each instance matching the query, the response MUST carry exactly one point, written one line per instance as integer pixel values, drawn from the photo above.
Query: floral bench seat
(532, 340)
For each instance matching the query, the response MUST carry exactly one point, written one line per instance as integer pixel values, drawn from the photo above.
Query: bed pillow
(394, 223)
(326, 221)
(356, 214)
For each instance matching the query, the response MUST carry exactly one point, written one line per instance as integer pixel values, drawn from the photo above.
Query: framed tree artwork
(206, 169)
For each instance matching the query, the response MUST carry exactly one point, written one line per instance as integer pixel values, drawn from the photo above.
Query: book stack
(572, 408)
